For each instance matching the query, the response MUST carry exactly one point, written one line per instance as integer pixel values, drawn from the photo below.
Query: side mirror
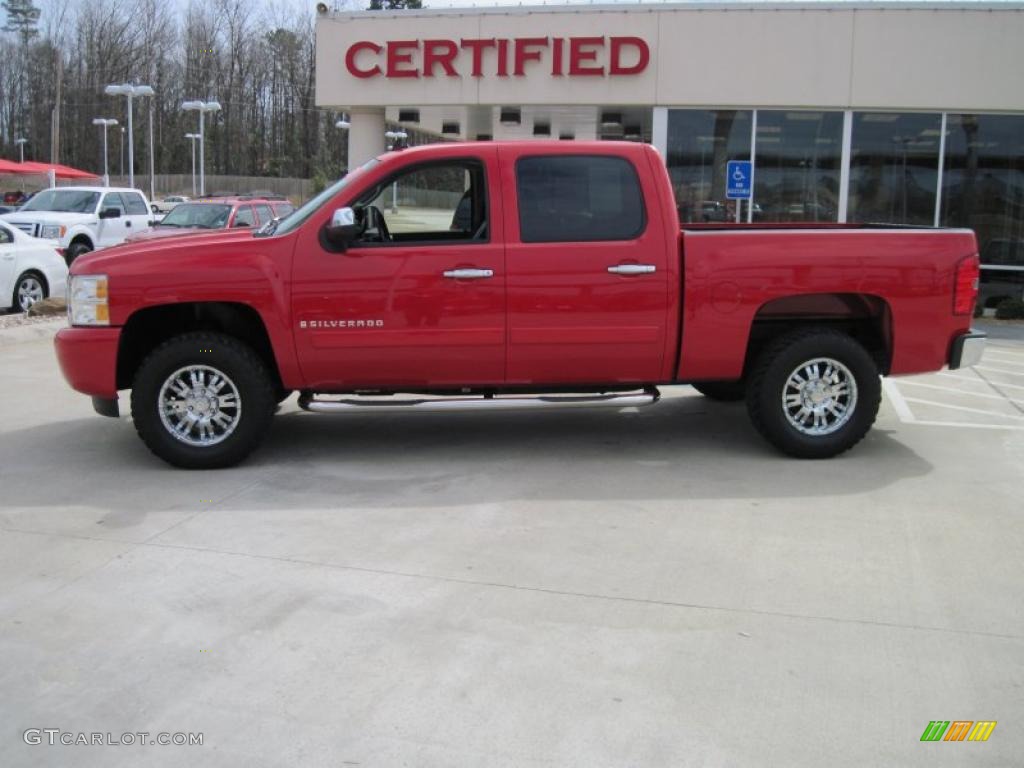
(342, 228)
(110, 213)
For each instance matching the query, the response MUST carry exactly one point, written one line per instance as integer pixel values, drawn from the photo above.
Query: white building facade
(907, 113)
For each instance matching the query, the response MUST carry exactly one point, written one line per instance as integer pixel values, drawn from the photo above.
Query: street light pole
(131, 91)
(106, 123)
(192, 139)
(202, 107)
(21, 148)
(152, 170)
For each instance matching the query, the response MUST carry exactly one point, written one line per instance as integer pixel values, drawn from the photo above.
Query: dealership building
(896, 112)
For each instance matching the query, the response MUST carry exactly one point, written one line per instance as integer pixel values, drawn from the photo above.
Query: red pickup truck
(512, 276)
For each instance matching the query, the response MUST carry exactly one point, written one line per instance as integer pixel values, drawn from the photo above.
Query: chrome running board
(482, 403)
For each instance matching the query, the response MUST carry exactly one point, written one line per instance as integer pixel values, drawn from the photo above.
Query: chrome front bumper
(967, 350)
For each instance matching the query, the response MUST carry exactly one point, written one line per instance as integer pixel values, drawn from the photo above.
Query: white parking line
(980, 381)
(1003, 361)
(967, 424)
(898, 403)
(999, 370)
(963, 392)
(963, 408)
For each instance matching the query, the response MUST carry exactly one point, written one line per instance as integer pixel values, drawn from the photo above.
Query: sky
(309, 5)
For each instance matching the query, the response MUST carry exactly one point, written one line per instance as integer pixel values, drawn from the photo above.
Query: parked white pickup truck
(83, 219)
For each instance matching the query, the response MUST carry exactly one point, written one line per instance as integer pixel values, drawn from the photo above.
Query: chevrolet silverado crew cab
(512, 276)
(83, 219)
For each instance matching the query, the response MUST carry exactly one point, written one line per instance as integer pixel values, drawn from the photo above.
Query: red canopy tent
(60, 171)
(6, 166)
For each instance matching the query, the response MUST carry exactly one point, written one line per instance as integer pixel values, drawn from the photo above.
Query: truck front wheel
(202, 401)
(814, 393)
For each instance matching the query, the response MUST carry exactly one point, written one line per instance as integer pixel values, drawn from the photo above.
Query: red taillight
(965, 289)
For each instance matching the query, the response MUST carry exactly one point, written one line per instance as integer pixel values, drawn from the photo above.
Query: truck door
(138, 211)
(419, 300)
(115, 230)
(587, 268)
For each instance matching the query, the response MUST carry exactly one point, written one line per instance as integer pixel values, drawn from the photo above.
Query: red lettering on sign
(615, 66)
(441, 52)
(477, 47)
(581, 51)
(355, 50)
(524, 54)
(556, 56)
(397, 58)
(502, 57)
(582, 57)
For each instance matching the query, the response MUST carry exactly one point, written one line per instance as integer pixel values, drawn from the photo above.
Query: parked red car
(215, 213)
(511, 276)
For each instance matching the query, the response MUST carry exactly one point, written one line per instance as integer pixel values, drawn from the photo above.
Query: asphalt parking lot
(634, 588)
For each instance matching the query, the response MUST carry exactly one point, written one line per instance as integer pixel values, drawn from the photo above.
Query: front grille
(27, 227)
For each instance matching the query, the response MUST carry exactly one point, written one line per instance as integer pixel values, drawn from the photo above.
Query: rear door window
(578, 198)
(135, 204)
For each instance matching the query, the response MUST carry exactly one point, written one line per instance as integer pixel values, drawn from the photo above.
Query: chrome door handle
(632, 269)
(468, 274)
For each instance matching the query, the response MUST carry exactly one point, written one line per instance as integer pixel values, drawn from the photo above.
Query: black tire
(781, 359)
(722, 391)
(30, 280)
(246, 374)
(75, 250)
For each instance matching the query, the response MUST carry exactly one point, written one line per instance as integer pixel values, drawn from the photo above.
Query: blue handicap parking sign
(739, 174)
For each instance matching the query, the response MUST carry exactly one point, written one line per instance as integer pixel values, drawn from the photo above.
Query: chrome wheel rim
(199, 405)
(30, 290)
(819, 397)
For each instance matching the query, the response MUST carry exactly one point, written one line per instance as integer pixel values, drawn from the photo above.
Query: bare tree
(258, 64)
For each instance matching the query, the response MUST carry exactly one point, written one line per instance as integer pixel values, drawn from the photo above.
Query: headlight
(87, 300)
(52, 231)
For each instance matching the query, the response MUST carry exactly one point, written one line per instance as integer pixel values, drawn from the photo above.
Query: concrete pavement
(600, 588)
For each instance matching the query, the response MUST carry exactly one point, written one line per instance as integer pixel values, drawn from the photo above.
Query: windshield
(199, 215)
(299, 215)
(63, 201)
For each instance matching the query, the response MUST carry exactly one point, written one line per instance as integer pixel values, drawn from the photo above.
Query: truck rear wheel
(202, 401)
(814, 393)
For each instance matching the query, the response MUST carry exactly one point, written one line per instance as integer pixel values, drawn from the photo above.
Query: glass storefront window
(983, 183)
(894, 166)
(798, 156)
(983, 189)
(700, 143)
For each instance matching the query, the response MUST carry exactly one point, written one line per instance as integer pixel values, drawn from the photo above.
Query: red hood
(159, 232)
(159, 244)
